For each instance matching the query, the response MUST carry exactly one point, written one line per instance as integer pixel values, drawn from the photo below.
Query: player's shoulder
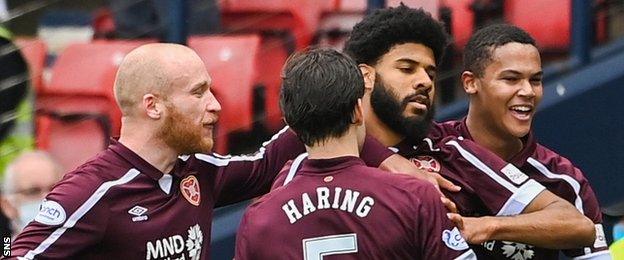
(400, 182)
(554, 162)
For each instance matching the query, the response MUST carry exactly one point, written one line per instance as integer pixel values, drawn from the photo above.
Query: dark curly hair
(373, 37)
(478, 51)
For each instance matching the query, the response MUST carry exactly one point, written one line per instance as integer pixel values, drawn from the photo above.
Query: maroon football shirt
(553, 171)
(340, 209)
(118, 206)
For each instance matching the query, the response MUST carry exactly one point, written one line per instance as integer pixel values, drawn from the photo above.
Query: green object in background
(20, 138)
(617, 249)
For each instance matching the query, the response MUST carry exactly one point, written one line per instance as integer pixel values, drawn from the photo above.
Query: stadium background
(73, 48)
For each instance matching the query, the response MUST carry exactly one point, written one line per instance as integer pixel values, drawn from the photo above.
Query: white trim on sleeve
(80, 212)
(521, 198)
(481, 166)
(468, 255)
(220, 160)
(600, 255)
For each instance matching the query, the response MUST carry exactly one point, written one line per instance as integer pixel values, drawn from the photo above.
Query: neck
(346, 145)
(148, 146)
(502, 144)
(381, 132)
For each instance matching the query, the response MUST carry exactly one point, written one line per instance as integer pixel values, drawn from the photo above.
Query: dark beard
(386, 105)
(182, 135)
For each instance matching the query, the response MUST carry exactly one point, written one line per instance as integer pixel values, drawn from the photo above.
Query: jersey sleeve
(245, 177)
(436, 236)
(503, 188)
(585, 201)
(72, 218)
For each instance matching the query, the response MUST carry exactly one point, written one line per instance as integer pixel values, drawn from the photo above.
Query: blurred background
(59, 59)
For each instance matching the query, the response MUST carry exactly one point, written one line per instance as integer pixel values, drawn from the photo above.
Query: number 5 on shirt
(317, 247)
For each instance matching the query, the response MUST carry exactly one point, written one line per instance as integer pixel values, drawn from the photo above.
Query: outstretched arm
(548, 221)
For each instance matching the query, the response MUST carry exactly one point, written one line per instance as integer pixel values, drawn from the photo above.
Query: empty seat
(231, 62)
(34, 51)
(462, 21)
(299, 17)
(80, 91)
(548, 21)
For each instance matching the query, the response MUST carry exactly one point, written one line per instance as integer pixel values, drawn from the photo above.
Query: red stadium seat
(72, 142)
(548, 21)
(34, 51)
(462, 19)
(81, 88)
(232, 64)
(273, 56)
(298, 17)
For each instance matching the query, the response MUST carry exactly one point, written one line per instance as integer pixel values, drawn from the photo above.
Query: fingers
(449, 204)
(444, 183)
(456, 219)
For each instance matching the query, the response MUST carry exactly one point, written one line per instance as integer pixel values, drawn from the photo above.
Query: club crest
(190, 190)
(427, 163)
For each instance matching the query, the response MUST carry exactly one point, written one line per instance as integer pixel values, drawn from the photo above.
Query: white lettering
(365, 206)
(308, 206)
(336, 204)
(322, 194)
(291, 211)
(348, 203)
(154, 251)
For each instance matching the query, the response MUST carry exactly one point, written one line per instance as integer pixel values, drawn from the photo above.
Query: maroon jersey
(118, 206)
(340, 209)
(553, 171)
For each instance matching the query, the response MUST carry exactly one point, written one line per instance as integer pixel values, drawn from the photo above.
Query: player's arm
(436, 236)
(525, 211)
(547, 221)
(245, 177)
(72, 218)
(590, 208)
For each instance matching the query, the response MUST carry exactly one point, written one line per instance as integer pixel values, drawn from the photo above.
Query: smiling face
(191, 110)
(506, 96)
(403, 95)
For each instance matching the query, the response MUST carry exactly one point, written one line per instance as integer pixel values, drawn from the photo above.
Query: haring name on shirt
(326, 198)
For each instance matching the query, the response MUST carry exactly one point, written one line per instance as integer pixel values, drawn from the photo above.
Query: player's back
(339, 208)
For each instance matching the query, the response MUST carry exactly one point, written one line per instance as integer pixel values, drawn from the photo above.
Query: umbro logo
(138, 212)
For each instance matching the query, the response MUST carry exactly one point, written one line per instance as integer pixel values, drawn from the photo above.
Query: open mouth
(522, 112)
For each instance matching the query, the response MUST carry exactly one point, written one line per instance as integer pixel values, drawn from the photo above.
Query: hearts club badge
(190, 190)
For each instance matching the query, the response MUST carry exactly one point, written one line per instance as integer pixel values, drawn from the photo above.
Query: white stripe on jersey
(521, 198)
(468, 255)
(578, 202)
(481, 166)
(80, 212)
(221, 160)
(600, 255)
(294, 167)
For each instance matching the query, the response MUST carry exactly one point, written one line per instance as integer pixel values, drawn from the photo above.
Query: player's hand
(474, 230)
(398, 164)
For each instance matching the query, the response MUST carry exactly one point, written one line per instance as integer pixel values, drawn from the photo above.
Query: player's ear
(358, 113)
(368, 73)
(469, 82)
(153, 108)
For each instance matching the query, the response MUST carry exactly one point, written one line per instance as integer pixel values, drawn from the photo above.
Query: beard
(389, 109)
(184, 135)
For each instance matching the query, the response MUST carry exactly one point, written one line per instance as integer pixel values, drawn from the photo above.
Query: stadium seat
(81, 87)
(462, 21)
(273, 56)
(34, 51)
(72, 139)
(554, 16)
(298, 17)
(232, 62)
